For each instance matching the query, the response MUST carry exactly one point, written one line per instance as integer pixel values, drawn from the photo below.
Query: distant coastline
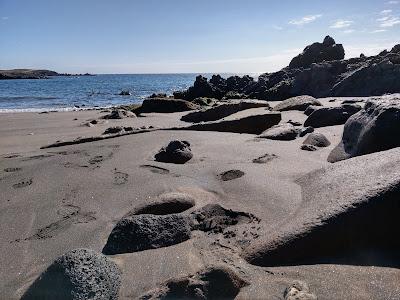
(33, 74)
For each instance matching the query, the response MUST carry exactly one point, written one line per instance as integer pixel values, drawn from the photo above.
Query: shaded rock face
(317, 140)
(255, 124)
(79, 274)
(221, 111)
(310, 109)
(320, 71)
(349, 209)
(306, 130)
(282, 132)
(329, 116)
(328, 50)
(297, 103)
(374, 128)
(216, 282)
(141, 232)
(165, 105)
(120, 114)
(177, 152)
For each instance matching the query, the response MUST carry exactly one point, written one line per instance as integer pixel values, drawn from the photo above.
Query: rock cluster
(320, 71)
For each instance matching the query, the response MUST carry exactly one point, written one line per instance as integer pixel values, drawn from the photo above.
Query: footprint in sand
(12, 170)
(155, 169)
(230, 175)
(264, 158)
(12, 156)
(23, 183)
(120, 178)
(70, 214)
(42, 156)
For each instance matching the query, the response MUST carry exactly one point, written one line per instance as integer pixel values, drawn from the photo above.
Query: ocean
(65, 93)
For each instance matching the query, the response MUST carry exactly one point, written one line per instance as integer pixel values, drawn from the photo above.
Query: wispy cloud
(378, 30)
(305, 20)
(388, 21)
(342, 24)
(4, 18)
(393, 2)
(348, 31)
(386, 12)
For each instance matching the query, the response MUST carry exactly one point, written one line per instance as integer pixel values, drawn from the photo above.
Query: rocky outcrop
(120, 114)
(329, 116)
(320, 71)
(177, 152)
(165, 105)
(349, 209)
(328, 50)
(222, 111)
(297, 103)
(374, 128)
(78, 274)
(254, 124)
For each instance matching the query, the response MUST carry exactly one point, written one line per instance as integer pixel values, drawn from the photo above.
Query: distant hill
(32, 74)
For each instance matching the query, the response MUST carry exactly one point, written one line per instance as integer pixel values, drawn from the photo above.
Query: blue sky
(169, 36)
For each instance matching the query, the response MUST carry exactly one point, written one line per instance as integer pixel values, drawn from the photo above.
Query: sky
(186, 36)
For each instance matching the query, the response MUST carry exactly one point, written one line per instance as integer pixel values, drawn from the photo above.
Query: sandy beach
(58, 199)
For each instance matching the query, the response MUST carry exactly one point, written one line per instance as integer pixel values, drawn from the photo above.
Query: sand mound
(79, 274)
(282, 132)
(216, 282)
(349, 215)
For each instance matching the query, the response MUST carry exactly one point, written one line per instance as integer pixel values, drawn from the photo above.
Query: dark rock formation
(125, 93)
(79, 274)
(329, 116)
(177, 152)
(328, 50)
(307, 147)
(222, 111)
(349, 209)
(255, 124)
(320, 71)
(216, 282)
(165, 105)
(114, 130)
(120, 114)
(317, 140)
(309, 110)
(297, 103)
(141, 232)
(374, 128)
(305, 131)
(281, 132)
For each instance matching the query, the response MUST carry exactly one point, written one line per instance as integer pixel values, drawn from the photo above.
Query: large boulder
(222, 111)
(374, 128)
(165, 105)
(329, 116)
(297, 103)
(282, 132)
(141, 232)
(254, 124)
(78, 275)
(177, 152)
(318, 52)
(348, 215)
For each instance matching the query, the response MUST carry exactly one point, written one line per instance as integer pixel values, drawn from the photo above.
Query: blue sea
(65, 93)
